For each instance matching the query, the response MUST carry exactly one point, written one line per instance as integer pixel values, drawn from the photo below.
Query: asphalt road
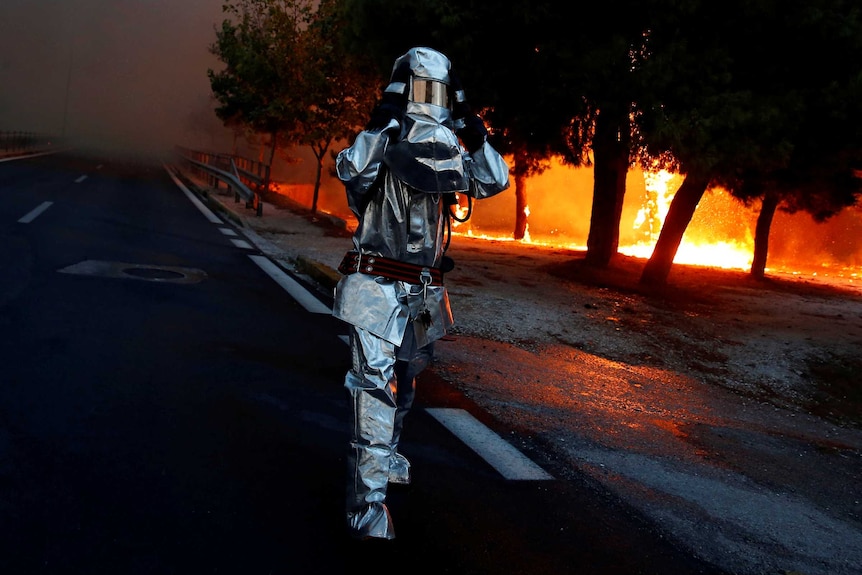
(166, 407)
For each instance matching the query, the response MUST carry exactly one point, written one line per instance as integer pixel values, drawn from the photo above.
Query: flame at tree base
(719, 236)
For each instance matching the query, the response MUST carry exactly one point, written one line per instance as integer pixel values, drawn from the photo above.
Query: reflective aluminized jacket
(395, 189)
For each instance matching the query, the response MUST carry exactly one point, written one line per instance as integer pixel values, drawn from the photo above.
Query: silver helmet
(423, 74)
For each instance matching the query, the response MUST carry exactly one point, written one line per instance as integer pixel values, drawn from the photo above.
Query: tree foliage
(288, 73)
(257, 86)
(335, 99)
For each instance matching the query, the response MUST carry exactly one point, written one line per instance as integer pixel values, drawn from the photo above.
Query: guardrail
(17, 141)
(244, 177)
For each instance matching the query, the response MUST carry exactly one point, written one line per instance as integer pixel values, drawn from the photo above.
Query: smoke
(113, 74)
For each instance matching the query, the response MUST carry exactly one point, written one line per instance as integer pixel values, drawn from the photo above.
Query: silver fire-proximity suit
(400, 175)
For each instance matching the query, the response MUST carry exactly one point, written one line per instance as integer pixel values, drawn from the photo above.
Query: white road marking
(227, 231)
(25, 156)
(291, 286)
(81, 179)
(35, 213)
(508, 461)
(194, 199)
(242, 244)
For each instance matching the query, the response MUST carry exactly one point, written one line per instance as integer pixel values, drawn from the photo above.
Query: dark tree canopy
(771, 112)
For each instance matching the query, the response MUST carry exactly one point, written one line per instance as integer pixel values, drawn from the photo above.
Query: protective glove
(460, 108)
(391, 106)
(393, 103)
(473, 134)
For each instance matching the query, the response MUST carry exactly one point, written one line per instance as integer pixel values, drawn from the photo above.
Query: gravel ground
(728, 411)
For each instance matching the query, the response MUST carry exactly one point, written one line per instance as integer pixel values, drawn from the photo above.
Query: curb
(325, 276)
(319, 272)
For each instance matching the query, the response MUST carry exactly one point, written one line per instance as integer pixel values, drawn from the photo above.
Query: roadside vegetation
(763, 99)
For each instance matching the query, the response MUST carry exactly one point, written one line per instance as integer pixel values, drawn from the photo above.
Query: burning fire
(660, 187)
(720, 234)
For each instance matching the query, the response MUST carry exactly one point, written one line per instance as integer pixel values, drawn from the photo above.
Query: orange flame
(660, 187)
(719, 235)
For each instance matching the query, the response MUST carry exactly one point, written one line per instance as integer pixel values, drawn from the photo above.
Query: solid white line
(290, 285)
(194, 199)
(81, 179)
(35, 213)
(508, 461)
(25, 156)
(242, 244)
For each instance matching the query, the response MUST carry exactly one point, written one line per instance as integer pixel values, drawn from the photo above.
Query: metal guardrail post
(222, 168)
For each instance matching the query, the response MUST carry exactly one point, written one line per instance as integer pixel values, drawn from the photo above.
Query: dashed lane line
(81, 179)
(501, 455)
(33, 214)
(242, 244)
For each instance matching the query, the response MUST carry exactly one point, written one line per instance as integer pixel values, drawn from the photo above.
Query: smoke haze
(118, 74)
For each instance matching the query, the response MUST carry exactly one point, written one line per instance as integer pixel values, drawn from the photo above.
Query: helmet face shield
(426, 91)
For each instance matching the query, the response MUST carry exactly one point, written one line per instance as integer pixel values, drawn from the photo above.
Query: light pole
(68, 87)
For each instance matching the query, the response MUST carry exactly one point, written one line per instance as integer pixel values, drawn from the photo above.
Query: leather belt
(390, 269)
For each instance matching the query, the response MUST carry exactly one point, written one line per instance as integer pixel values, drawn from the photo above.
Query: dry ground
(788, 340)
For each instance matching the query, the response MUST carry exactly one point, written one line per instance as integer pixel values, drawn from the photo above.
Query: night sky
(118, 73)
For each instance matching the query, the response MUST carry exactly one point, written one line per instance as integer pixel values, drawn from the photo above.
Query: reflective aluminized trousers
(381, 384)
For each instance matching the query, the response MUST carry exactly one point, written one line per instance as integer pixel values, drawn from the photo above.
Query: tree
(821, 176)
(601, 73)
(256, 86)
(287, 74)
(333, 90)
(737, 114)
(505, 80)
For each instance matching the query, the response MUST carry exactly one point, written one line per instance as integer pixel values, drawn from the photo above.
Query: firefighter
(421, 146)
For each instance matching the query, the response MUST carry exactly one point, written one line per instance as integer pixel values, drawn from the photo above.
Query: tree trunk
(273, 140)
(678, 217)
(520, 173)
(317, 173)
(319, 151)
(611, 164)
(761, 234)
